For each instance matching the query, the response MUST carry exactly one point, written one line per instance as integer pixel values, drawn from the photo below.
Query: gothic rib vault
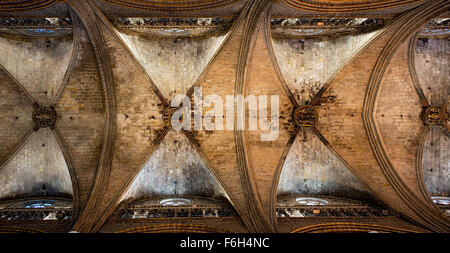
(362, 145)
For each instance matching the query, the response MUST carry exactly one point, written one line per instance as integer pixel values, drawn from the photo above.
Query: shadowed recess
(175, 169)
(38, 169)
(436, 163)
(312, 169)
(15, 110)
(346, 5)
(432, 59)
(39, 64)
(173, 64)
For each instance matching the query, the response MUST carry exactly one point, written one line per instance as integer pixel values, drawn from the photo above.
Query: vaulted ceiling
(86, 87)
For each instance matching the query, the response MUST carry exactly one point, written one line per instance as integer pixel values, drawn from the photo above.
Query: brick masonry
(287, 225)
(139, 118)
(308, 64)
(15, 110)
(81, 115)
(174, 65)
(263, 156)
(40, 162)
(39, 64)
(219, 146)
(432, 59)
(398, 116)
(340, 120)
(436, 163)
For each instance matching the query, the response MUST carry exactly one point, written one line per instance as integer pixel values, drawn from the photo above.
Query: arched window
(311, 201)
(39, 204)
(175, 202)
(442, 201)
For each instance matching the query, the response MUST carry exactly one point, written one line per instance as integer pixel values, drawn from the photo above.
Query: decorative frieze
(174, 27)
(308, 28)
(35, 214)
(215, 22)
(327, 206)
(332, 211)
(177, 207)
(176, 212)
(41, 27)
(35, 22)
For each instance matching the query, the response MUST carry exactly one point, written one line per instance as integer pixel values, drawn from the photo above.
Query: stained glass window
(311, 201)
(175, 202)
(38, 203)
(441, 200)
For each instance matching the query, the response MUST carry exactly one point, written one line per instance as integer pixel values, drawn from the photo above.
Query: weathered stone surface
(432, 59)
(340, 122)
(308, 64)
(397, 113)
(39, 165)
(312, 169)
(262, 80)
(219, 146)
(174, 65)
(39, 64)
(81, 115)
(15, 110)
(436, 163)
(174, 169)
(139, 119)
